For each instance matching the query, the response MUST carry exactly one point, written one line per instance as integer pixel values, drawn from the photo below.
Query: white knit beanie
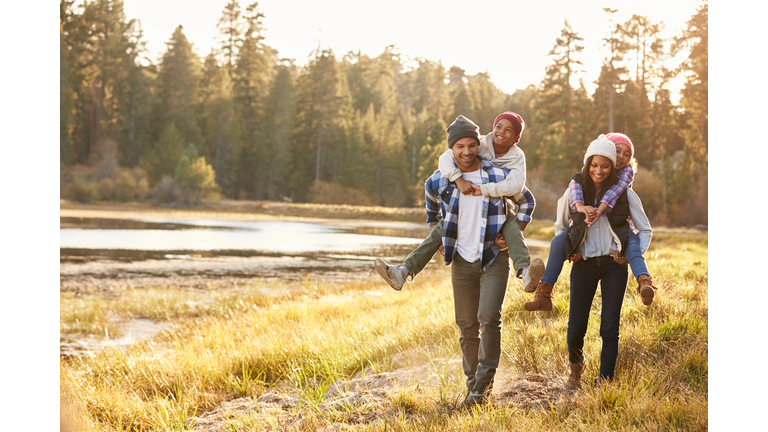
(601, 146)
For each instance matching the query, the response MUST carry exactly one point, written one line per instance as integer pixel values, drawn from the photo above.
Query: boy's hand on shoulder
(465, 187)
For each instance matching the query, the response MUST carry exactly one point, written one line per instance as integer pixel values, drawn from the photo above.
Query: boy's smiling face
(504, 134)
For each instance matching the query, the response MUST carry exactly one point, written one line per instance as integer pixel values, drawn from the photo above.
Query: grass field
(233, 345)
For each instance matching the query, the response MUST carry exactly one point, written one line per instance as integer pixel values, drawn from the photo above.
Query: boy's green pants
(518, 250)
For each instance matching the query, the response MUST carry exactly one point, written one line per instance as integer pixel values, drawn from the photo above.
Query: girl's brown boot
(542, 300)
(646, 289)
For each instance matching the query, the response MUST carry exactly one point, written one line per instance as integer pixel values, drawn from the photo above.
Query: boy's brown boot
(646, 289)
(542, 300)
(574, 380)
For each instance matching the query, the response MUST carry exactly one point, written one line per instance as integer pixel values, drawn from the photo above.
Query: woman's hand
(619, 260)
(575, 257)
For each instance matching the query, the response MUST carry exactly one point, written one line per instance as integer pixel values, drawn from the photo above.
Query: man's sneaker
(533, 274)
(392, 274)
(478, 395)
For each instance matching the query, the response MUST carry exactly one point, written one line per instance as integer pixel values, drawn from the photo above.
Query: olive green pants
(518, 249)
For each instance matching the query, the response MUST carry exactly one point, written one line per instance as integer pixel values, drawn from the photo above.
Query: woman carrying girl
(626, 166)
(602, 245)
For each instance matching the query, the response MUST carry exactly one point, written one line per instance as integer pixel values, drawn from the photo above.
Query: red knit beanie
(620, 138)
(517, 122)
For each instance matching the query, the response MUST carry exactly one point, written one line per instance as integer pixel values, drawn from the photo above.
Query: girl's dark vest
(577, 230)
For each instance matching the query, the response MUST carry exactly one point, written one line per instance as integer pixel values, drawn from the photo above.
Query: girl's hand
(594, 217)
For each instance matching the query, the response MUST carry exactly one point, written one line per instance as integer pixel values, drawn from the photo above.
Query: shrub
(332, 193)
(166, 190)
(81, 191)
(125, 184)
(650, 189)
(142, 189)
(106, 189)
(546, 194)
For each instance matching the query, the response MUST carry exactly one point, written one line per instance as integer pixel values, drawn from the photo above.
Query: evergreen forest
(243, 123)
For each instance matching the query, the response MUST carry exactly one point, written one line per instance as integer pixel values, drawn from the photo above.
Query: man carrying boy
(479, 268)
(499, 147)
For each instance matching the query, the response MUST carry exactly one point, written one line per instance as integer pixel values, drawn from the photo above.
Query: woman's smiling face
(599, 170)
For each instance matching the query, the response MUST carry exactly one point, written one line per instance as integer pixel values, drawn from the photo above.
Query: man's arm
(432, 202)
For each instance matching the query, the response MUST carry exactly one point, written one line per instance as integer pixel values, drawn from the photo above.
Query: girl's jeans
(557, 258)
(585, 275)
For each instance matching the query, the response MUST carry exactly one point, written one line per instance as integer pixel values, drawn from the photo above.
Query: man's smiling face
(465, 154)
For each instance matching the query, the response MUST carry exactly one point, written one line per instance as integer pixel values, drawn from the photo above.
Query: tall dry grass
(245, 344)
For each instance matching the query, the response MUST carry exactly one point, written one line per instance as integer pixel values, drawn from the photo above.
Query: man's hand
(500, 242)
(465, 187)
(442, 250)
(575, 257)
(523, 225)
(619, 260)
(476, 191)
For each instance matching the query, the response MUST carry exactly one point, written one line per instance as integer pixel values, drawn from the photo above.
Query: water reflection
(167, 238)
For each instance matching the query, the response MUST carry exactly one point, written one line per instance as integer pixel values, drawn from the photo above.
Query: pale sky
(508, 39)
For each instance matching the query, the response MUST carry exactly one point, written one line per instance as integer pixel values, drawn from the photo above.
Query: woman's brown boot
(646, 289)
(574, 380)
(542, 300)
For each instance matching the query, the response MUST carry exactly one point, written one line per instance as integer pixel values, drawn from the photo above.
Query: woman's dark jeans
(585, 275)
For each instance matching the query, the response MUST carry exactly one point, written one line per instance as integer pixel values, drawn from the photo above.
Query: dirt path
(365, 399)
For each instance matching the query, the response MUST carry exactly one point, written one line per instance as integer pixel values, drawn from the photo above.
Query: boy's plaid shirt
(442, 197)
(626, 175)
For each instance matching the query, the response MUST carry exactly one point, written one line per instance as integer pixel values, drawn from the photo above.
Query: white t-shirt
(469, 243)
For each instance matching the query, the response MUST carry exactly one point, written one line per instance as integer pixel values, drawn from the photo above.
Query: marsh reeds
(225, 345)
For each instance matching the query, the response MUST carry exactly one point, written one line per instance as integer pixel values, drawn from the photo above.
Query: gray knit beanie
(601, 146)
(462, 127)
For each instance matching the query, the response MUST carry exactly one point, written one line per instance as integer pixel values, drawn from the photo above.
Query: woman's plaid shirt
(442, 197)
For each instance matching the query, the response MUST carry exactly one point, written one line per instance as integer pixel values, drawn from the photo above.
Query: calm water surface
(153, 237)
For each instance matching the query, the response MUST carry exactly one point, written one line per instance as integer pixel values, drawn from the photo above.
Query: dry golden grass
(244, 344)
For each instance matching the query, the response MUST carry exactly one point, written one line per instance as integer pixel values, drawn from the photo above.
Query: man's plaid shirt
(626, 175)
(442, 197)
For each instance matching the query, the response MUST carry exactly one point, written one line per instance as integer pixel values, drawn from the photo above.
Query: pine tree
(163, 158)
(279, 111)
(178, 82)
(323, 109)
(251, 77)
(694, 96)
(562, 109)
(217, 122)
